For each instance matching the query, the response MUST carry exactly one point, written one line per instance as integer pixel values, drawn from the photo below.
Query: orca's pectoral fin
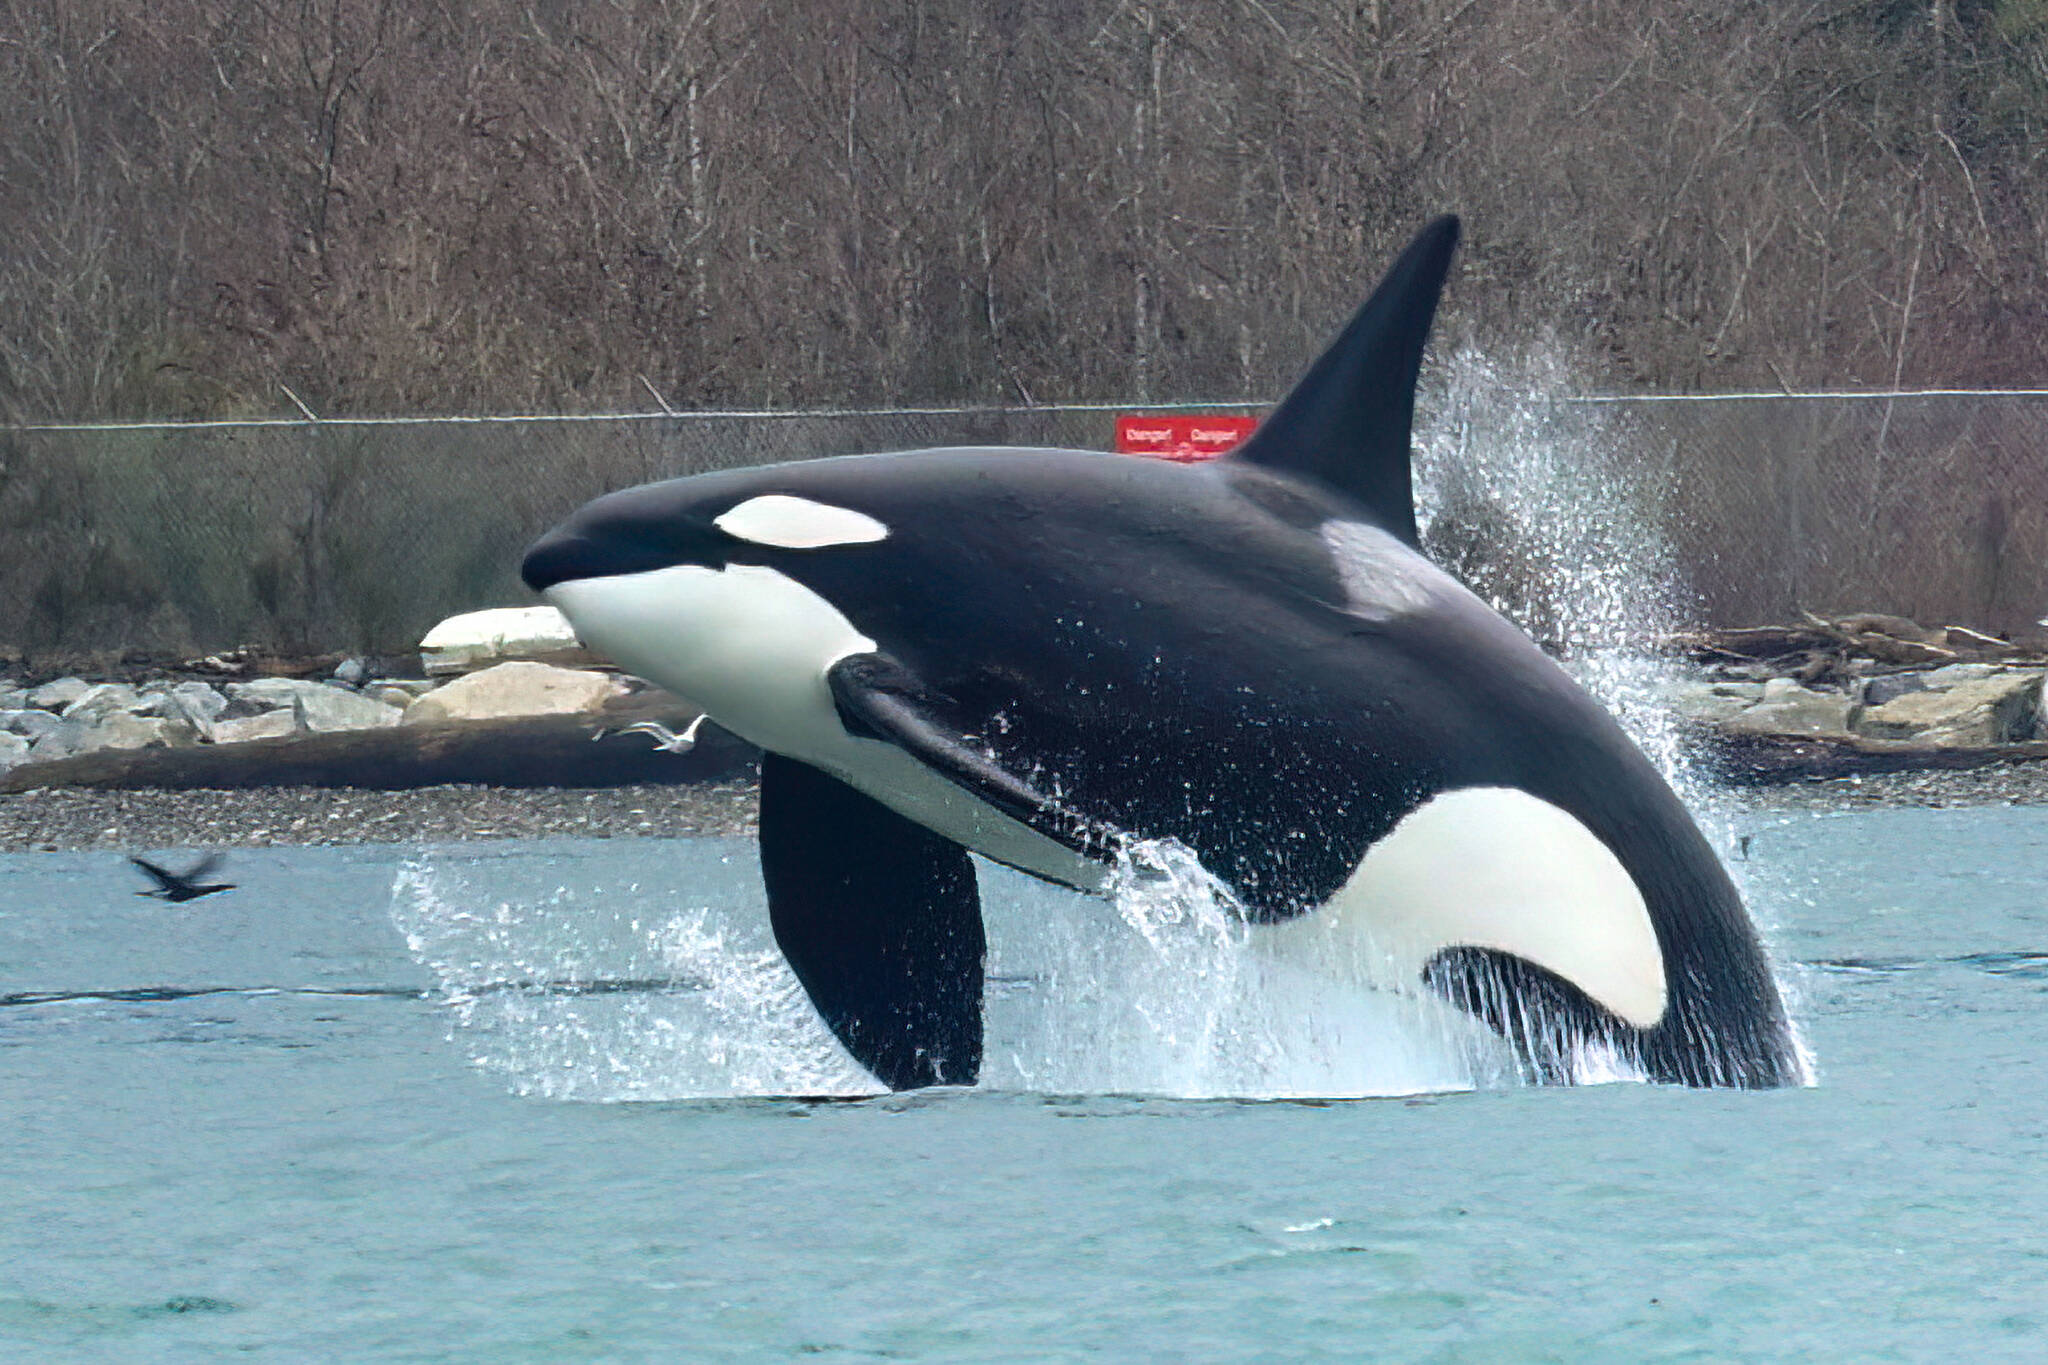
(881, 922)
(1347, 422)
(878, 698)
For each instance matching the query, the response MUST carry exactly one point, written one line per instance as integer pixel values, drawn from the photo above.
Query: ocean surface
(529, 1101)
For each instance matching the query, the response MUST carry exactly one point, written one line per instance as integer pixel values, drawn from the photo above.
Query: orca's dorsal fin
(1347, 422)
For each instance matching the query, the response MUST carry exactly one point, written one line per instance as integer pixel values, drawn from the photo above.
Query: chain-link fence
(358, 535)
(1932, 506)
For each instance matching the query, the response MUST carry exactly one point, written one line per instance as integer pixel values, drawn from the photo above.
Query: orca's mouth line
(568, 554)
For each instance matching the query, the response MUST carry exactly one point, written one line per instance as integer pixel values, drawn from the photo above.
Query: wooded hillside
(430, 206)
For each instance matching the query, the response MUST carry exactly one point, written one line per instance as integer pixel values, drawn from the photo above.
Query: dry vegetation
(426, 206)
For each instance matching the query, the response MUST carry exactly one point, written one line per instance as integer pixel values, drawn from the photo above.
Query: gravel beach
(2002, 784)
(58, 819)
(64, 818)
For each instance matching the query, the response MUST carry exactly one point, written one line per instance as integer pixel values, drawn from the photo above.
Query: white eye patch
(792, 523)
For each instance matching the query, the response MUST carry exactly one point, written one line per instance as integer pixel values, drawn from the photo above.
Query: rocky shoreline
(1870, 678)
(1859, 712)
(56, 819)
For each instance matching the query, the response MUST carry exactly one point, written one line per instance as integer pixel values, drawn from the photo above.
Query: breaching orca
(1040, 655)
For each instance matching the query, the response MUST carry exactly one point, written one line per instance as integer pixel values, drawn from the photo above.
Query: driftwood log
(1884, 640)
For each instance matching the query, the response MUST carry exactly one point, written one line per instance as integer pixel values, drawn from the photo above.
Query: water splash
(1554, 518)
(1554, 515)
(1162, 989)
(1195, 928)
(1174, 992)
(1538, 506)
(710, 1011)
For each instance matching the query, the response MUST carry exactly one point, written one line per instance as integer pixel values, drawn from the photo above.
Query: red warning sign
(1181, 436)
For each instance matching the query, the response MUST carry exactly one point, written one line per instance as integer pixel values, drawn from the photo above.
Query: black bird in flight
(182, 886)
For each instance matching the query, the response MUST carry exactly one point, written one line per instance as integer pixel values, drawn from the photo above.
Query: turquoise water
(379, 1132)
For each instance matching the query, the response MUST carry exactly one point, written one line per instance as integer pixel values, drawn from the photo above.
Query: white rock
(519, 688)
(59, 693)
(1990, 710)
(189, 703)
(120, 730)
(1789, 709)
(62, 740)
(463, 642)
(200, 698)
(269, 725)
(335, 708)
(319, 706)
(31, 724)
(13, 750)
(95, 704)
(1712, 701)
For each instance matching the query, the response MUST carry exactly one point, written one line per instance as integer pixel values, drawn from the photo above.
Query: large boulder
(62, 740)
(2000, 709)
(123, 731)
(58, 694)
(519, 688)
(268, 725)
(337, 708)
(97, 703)
(1786, 708)
(31, 724)
(476, 639)
(317, 706)
(186, 699)
(119, 730)
(13, 750)
(193, 703)
(1712, 701)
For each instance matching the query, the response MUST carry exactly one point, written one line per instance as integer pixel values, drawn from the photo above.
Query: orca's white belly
(752, 647)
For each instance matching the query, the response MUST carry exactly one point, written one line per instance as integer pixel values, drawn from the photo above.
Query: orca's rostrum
(1039, 655)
